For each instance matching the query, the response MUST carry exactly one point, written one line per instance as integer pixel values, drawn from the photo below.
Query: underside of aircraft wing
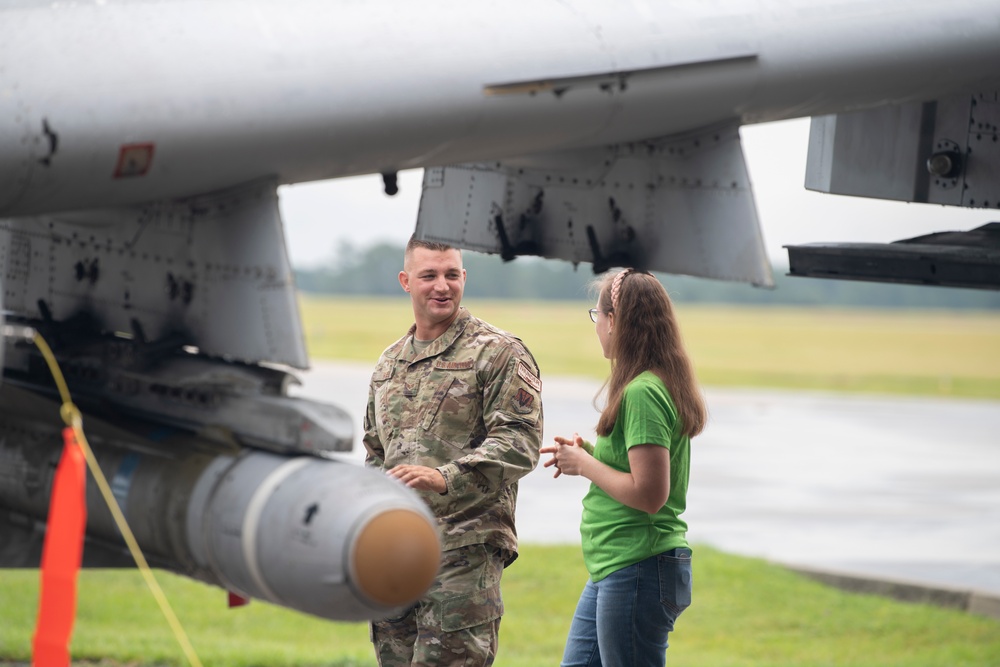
(209, 271)
(680, 205)
(944, 151)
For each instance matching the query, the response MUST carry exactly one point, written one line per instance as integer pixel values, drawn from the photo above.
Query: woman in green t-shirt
(634, 541)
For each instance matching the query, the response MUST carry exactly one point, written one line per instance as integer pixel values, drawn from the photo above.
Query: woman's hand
(568, 455)
(645, 486)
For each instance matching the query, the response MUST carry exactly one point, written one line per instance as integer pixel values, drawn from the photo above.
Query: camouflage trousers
(456, 623)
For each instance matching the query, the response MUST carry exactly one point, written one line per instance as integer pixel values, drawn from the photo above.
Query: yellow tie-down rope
(71, 415)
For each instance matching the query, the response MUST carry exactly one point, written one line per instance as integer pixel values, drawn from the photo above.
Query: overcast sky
(319, 215)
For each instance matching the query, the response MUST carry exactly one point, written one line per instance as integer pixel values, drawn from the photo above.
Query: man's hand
(420, 478)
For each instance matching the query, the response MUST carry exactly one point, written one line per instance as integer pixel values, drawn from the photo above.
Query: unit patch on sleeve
(522, 401)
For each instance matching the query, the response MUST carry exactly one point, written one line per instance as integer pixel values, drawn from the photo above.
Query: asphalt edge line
(973, 602)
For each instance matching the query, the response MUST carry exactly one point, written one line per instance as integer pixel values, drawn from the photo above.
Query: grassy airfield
(931, 353)
(746, 612)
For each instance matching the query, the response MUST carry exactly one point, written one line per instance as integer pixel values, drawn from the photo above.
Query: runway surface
(896, 488)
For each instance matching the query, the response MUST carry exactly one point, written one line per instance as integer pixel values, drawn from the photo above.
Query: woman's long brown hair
(646, 338)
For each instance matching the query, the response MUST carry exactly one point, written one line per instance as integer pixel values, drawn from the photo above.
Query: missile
(330, 539)
(324, 537)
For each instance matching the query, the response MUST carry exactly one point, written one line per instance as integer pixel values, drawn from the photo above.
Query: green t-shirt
(615, 535)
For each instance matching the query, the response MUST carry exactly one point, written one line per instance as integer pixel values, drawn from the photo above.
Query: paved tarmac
(882, 489)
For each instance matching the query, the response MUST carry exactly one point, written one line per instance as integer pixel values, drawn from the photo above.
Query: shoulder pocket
(383, 372)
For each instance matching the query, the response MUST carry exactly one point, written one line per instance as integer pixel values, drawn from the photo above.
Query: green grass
(746, 613)
(930, 353)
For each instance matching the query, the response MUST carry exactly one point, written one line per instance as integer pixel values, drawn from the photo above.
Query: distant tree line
(372, 270)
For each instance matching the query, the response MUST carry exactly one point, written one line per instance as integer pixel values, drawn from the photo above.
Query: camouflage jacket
(469, 405)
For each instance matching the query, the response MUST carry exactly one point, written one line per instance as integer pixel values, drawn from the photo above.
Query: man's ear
(404, 281)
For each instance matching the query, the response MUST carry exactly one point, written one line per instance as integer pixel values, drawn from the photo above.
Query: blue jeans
(624, 619)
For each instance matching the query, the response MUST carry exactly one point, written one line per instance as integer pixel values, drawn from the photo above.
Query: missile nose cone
(396, 557)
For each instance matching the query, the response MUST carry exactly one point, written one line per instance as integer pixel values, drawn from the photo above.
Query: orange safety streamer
(61, 557)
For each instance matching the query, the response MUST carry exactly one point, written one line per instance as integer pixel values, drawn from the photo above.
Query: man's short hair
(414, 242)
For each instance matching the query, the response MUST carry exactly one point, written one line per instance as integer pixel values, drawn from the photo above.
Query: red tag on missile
(62, 554)
(236, 600)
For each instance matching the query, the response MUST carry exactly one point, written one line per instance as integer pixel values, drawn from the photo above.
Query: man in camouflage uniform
(454, 412)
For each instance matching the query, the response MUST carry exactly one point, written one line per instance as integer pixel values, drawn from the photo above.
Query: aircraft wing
(943, 151)
(141, 145)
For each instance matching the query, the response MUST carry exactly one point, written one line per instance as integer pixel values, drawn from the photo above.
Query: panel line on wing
(605, 80)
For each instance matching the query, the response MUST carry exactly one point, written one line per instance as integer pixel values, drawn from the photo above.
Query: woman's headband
(616, 287)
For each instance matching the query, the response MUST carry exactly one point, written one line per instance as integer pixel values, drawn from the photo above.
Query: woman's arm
(645, 488)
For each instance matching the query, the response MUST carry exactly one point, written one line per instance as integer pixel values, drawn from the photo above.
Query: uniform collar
(438, 345)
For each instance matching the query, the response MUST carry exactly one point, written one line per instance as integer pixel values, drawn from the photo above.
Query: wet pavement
(900, 489)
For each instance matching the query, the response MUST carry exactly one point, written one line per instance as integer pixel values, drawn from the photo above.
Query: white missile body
(323, 537)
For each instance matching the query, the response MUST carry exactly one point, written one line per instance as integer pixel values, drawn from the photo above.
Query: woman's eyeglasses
(593, 314)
